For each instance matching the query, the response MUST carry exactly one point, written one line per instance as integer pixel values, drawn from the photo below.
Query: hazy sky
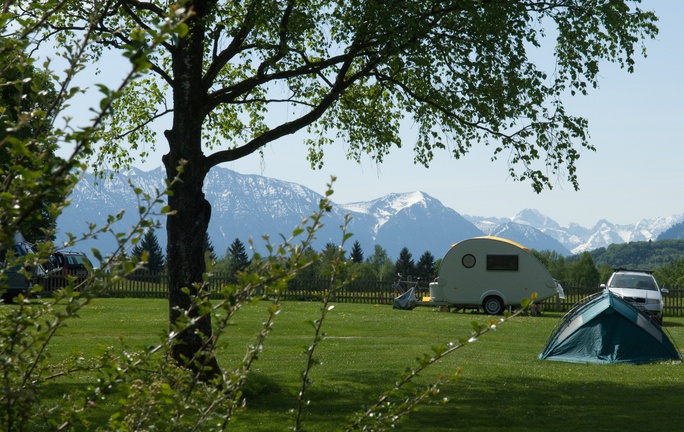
(636, 173)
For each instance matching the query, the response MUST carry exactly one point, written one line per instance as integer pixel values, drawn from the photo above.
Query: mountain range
(251, 206)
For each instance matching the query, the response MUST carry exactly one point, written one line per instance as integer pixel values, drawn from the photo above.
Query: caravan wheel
(493, 305)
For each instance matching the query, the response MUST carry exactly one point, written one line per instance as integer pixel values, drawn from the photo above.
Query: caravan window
(502, 262)
(468, 260)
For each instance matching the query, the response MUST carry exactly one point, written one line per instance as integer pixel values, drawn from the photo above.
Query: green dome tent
(606, 329)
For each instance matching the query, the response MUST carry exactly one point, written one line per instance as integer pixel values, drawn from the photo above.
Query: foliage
(150, 252)
(584, 272)
(238, 255)
(405, 265)
(426, 268)
(39, 177)
(311, 271)
(27, 98)
(362, 272)
(209, 252)
(29, 329)
(642, 255)
(329, 256)
(671, 274)
(235, 261)
(661, 256)
(380, 264)
(605, 271)
(554, 262)
(356, 254)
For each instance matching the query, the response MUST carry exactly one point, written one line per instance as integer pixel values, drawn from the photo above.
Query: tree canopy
(464, 72)
(238, 260)
(27, 101)
(584, 271)
(405, 265)
(426, 268)
(237, 76)
(641, 255)
(356, 254)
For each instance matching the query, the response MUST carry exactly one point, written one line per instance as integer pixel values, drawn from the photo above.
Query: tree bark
(187, 226)
(186, 230)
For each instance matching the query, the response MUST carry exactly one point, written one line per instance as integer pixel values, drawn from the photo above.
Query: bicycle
(400, 288)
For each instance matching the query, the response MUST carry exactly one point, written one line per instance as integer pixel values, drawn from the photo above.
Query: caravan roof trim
(505, 240)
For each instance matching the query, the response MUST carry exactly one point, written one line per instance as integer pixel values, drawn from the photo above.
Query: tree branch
(235, 46)
(139, 21)
(143, 124)
(231, 93)
(147, 6)
(341, 85)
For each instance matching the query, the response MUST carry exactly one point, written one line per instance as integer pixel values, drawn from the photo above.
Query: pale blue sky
(635, 173)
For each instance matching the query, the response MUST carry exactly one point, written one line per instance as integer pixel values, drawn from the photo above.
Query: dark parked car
(64, 264)
(14, 284)
(17, 281)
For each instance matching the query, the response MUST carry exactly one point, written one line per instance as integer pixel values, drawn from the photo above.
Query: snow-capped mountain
(414, 220)
(528, 235)
(252, 206)
(577, 238)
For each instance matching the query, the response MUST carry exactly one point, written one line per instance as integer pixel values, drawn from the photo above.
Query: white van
(492, 273)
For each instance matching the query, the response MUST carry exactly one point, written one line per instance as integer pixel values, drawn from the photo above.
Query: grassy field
(503, 384)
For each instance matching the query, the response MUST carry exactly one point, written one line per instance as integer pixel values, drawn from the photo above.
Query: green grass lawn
(503, 385)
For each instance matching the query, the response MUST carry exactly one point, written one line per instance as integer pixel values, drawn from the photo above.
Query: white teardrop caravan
(492, 273)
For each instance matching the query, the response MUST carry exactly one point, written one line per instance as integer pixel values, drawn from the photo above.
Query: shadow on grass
(512, 403)
(489, 405)
(543, 405)
(667, 323)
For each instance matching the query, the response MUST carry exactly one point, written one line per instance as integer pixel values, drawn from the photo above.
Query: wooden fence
(673, 300)
(372, 292)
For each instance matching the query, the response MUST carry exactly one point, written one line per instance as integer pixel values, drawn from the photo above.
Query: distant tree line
(376, 266)
(646, 255)
(665, 258)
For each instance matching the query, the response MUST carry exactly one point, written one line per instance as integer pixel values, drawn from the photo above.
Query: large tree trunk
(186, 230)
(187, 227)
